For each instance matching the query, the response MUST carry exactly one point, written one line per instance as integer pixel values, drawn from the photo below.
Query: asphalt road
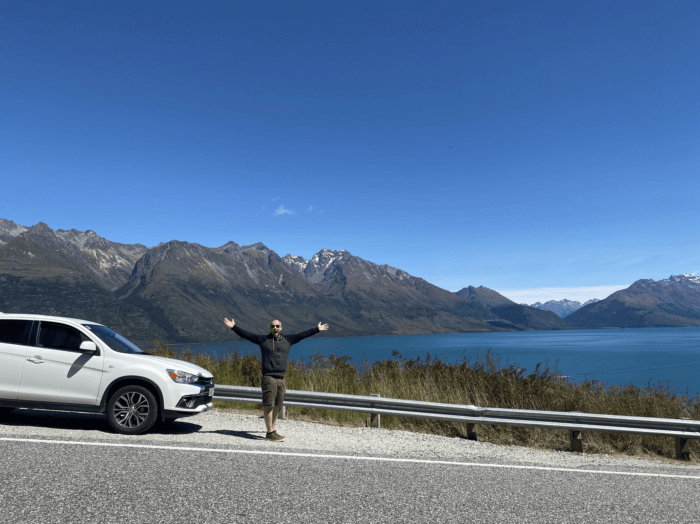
(49, 476)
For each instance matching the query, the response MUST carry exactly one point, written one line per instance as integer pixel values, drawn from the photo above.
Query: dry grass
(483, 383)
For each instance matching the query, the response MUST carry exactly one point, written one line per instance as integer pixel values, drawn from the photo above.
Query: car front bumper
(186, 412)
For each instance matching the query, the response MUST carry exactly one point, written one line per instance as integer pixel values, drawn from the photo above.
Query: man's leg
(275, 412)
(269, 389)
(269, 418)
(279, 400)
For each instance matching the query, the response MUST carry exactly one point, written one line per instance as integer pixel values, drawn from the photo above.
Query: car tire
(132, 410)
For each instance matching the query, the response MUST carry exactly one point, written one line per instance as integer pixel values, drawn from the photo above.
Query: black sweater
(274, 351)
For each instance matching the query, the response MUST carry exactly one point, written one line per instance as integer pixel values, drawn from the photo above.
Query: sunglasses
(276, 325)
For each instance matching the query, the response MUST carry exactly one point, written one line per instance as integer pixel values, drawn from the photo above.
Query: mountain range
(180, 292)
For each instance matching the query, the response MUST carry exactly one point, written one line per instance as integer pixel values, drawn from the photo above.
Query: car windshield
(115, 340)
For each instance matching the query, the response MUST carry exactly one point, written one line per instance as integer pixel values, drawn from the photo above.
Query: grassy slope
(483, 383)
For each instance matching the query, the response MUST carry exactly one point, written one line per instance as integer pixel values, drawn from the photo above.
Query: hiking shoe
(280, 436)
(273, 436)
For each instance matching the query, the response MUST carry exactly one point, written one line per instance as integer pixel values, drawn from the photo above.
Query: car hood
(180, 365)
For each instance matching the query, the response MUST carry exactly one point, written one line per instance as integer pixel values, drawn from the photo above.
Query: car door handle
(36, 360)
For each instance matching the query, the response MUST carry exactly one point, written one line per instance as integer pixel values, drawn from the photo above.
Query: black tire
(132, 410)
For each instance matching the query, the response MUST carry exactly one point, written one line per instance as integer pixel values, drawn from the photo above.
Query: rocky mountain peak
(684, 278)
(230, 248)
(315, 268)
(9, 230)
(295, 263)
(229, 245)
(80, 239)
(257, 250)
(322, 262)
(258, 246)
(41, 228)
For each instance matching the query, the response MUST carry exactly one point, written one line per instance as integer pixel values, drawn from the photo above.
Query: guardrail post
(471, 432)
(375, 417)
(283, 412)
(682, 448)
(576, 441)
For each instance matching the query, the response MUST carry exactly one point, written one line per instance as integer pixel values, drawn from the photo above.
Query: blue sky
(547, 150)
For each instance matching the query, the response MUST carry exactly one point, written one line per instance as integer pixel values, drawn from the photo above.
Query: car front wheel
(132, 410)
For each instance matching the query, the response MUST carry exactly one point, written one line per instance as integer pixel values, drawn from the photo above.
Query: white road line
(346, 457)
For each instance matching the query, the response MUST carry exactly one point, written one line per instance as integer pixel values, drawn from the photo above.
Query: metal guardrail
(681, 429)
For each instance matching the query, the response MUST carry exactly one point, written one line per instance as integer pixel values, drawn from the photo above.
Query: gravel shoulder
(236, 430)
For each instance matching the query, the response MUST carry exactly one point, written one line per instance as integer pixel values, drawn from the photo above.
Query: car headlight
(182, 377)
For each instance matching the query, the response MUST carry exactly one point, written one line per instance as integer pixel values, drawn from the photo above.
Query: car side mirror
(88, 347)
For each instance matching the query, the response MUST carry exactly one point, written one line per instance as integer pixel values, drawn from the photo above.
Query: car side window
(13, 331)
(60, 336)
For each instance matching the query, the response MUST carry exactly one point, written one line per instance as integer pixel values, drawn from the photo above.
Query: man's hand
(231, 323)
(322, 327)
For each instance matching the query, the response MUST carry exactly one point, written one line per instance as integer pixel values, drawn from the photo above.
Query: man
(274, 349)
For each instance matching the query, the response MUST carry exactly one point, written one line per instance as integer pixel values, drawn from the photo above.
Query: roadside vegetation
(483, 383)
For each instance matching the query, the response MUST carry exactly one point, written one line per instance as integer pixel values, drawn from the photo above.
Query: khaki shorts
(273, 390)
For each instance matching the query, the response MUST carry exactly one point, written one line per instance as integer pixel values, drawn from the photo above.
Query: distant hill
(672, 302)
(508, 314)
(563, 308)
(483, 295)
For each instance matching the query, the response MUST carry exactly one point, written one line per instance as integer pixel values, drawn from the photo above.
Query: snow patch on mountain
(563, 308)
(319, 265)
(296, 263)
(685, 278)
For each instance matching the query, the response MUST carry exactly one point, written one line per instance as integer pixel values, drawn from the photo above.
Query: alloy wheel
(131, 410)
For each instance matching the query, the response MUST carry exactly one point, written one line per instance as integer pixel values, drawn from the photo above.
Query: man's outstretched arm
(251, 337)
(297, 337)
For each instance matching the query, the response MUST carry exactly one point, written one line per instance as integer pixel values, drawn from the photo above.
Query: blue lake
(614, 356)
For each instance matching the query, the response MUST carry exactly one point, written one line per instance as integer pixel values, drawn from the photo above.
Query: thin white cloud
(275, 199)
(283, 211)
(311, 208)
(544, 294)
(263, 207)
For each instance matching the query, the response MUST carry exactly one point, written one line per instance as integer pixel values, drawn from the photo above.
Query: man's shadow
(249, 435)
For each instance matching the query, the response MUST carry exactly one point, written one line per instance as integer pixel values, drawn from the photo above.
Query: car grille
(202, 381)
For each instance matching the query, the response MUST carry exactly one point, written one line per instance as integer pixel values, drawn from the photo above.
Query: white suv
(76, 365)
